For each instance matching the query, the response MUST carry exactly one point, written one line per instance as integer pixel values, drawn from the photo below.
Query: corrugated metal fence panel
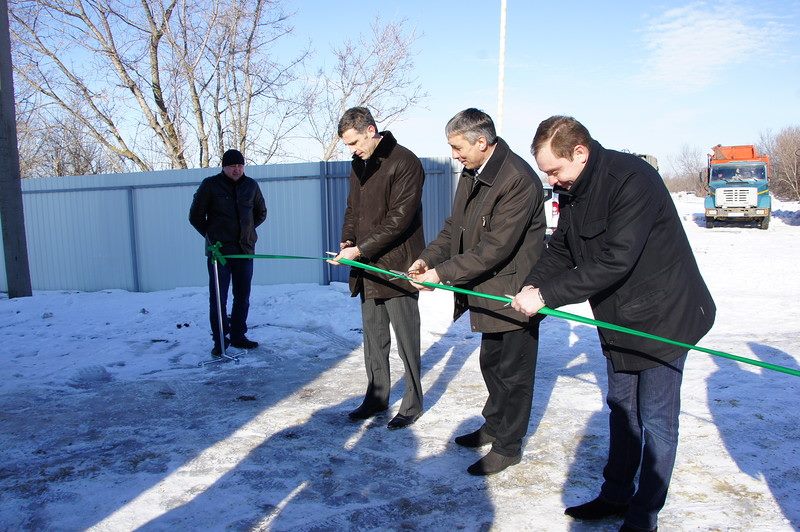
(79, 240)
(293, 227)
(170, 251)
(437, 197)
(337, 174)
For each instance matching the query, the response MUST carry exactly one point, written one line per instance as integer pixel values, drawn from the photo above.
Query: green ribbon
(217, 255)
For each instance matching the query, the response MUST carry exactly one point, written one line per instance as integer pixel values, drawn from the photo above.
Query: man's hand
(346, 251)
(418, 267)
(419, 272)
(528, 301)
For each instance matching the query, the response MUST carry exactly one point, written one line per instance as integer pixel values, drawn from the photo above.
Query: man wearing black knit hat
(227, 208)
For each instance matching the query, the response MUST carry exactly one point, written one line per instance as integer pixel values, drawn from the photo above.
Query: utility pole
(501, 75)
(15, 247)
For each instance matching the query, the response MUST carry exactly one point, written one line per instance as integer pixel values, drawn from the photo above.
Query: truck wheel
(709, 224)
(764, 223)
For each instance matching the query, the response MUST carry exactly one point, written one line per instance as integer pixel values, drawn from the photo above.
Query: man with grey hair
(383, 227)
(493, 237)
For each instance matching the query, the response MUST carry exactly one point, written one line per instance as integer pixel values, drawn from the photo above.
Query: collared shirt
(480, 169)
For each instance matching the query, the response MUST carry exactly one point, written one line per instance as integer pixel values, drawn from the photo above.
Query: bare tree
(686, 169)
(253, 111)
(51, 144)
(783, 149)
(153, 77)
(376, 71)
(29, 130)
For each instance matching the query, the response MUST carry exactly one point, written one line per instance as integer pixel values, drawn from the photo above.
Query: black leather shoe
(596, 509)
(493, 463)
(400, 421)
(626, 528)
(479, 438)
(244, 343)
(365, 412)
(217, 350)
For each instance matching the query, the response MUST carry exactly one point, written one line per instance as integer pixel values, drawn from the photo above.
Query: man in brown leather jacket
(490, 242)
(383, 227)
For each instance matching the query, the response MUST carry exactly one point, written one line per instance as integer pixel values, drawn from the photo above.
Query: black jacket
(492, 239)
(620, 244)
(384, 217)
(228, 211)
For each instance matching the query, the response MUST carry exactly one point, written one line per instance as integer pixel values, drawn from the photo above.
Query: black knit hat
(232, 157)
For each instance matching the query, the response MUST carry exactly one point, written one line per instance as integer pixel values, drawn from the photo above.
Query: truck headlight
(711, 212)
(761, 211)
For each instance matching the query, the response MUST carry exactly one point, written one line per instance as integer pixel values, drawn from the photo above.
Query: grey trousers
(403, 315)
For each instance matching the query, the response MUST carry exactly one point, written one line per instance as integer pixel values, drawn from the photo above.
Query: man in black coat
(620, 244)
(490, 242)
(383, 227)
(227, 208)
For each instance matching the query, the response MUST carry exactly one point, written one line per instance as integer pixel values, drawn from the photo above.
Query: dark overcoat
(228, 211)
(492, 239)
(620, 244)
(384, 217)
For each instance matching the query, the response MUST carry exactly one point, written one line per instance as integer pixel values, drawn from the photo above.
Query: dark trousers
(643, 427)
(508, 365)
(403, 315)
(239, 273)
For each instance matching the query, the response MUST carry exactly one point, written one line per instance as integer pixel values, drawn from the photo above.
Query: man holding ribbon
(383, 227)
(620, 244)
(227, 208)
(492, 239)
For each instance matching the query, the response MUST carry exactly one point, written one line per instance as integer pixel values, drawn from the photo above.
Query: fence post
(325, 217)
(134, 243)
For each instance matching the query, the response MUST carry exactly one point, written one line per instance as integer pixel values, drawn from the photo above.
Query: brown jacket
(492, 239)
(384, 217)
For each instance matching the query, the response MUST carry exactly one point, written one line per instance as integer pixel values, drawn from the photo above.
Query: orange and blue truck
(738, 186)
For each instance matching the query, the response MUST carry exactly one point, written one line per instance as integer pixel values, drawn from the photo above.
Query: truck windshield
(737, 173)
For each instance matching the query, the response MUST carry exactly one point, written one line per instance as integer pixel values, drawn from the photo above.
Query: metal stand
(224, 357)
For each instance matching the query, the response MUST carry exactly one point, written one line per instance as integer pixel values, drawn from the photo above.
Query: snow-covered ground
(108, 423)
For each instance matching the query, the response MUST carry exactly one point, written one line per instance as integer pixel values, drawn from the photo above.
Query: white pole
(501, 76)
(219, 310)
(224, 356)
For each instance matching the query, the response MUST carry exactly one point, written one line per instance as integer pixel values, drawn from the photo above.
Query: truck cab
(738, 186)
(551, 209)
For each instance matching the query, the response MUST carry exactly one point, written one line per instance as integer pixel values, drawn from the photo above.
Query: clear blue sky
(644, 76)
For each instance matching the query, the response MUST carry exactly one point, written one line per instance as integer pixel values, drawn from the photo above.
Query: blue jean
(643, 427)
(238, 272)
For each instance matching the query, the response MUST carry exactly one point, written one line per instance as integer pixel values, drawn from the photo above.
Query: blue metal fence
(131, 231)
